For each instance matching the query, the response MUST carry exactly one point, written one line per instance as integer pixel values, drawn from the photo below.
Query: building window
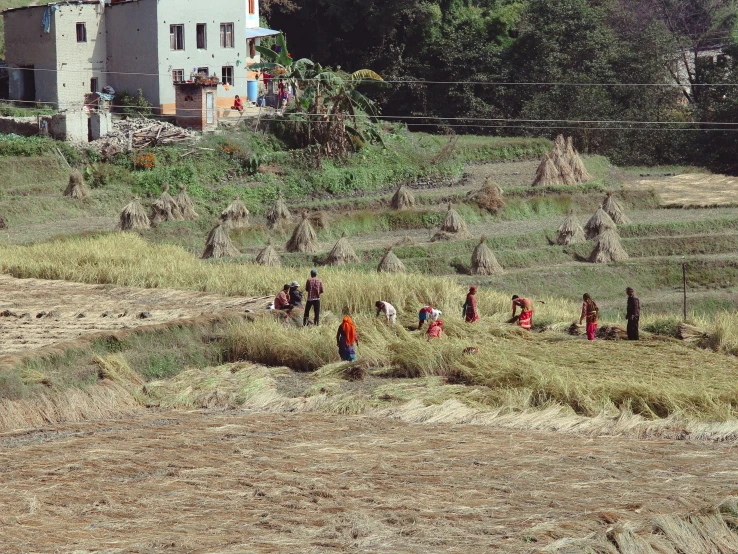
(93, 84)
(178, 75)
(252, 9)
(202, 40)
(252, 48)
(203, 70)
(81, 32)
(227, 75)
(176, 37)
(226, 35)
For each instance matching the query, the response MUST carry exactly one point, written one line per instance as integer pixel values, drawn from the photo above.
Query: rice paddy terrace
(138, 415)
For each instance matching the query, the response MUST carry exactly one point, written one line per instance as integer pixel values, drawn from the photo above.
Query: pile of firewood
(137, 133)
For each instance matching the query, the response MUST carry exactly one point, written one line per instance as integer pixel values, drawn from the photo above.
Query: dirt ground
(35, 313)
(692, 190)
(255, 482)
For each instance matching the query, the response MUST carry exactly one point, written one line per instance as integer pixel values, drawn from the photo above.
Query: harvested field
(35, 313)
(692, 190)
(256, 482)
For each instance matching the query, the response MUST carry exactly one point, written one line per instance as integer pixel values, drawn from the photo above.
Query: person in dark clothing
(313, 288)
(295, 295)
(633, 314)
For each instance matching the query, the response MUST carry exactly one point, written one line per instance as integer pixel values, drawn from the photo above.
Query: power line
(404, 81)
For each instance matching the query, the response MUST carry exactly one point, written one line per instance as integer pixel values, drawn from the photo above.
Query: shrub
(127, 103)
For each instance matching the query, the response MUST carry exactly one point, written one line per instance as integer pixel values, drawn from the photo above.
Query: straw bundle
(133, 217)
(235, 215)
(186, 205)
(165, 208)
(614, 209)
(390, 263)
(489, 197)
(547, 174)
(570, 231)
(569, 152)
(598, 223)
(612, 332)
(304, 238)
(342, 253)
(484, 261)
(559, 145)
(218, 244)
(577, 165)
(608, 248)
(319, 220)
(269, 256)
(565, 173)
(690, 333)
(403, 198)
(76, 188)
(278, 212)
(453, 222)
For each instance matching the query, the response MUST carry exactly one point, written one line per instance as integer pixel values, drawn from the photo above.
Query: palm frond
(268, 53)
(365, 75)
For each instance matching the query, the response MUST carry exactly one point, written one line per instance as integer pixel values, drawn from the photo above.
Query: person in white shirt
(426, 313)
(388, 309)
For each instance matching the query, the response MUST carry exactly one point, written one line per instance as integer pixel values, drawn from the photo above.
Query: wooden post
(684, 285)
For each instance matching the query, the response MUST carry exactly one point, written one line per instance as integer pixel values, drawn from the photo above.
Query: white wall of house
(78, 62)
(133, 60)
(26, 45)
(214, 56)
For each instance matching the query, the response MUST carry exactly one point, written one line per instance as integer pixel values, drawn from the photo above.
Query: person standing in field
(347, 340)
(471, 314)
(590, 312)
(428, 312)
(390, 313)
(526, 311)
(632, 313)
(313, 289)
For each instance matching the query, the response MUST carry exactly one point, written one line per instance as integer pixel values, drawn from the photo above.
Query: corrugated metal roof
(260, 32)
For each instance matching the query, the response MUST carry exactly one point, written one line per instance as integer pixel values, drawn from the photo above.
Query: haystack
(278, 212)
(268, 256)
(319, 220)
(484, 261)
(608, 248)
(575, 162)
(342, 253)
(390, 263)
(489, 197)
(570, 231)
(185, 205)
(235, 215)
(559, 145)
(547, 174)
(133, 217)
(566, 176)
(614, 209)
(598, 223)
(304, 238)
(165, 208)
(403, 198)
(219, 244)
(76, 188)
(453, 222)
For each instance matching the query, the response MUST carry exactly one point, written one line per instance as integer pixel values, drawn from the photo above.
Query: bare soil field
(35, 313)
(692, 190)
(257, 482)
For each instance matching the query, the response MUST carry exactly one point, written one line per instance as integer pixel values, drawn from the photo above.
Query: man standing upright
(633, 314)
(313, 289)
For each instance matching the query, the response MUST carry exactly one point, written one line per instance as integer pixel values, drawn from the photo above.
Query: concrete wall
(79, 62)
(189, 13)
(24, 126)
(131, 36)
(26, 44)
(71, 126)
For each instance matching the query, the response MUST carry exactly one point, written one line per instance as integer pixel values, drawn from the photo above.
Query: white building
(59, 52)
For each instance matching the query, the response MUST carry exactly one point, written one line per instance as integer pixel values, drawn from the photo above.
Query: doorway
(209, 106)
(27, 91)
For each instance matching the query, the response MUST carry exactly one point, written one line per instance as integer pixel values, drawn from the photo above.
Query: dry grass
(218, 243)
(402, 198)
(236, 215)
(268, 257)
(165, 208)
(76, 188)
(133, 217)
(598, 223)
(304, 237)
(390, 263)
(483, 261)
(342, 253)
(608, 248)
(185, 205)
(279, 213)
(570, 231)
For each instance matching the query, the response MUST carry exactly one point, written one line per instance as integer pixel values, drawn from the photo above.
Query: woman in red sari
(590, 312)
(471, 315)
